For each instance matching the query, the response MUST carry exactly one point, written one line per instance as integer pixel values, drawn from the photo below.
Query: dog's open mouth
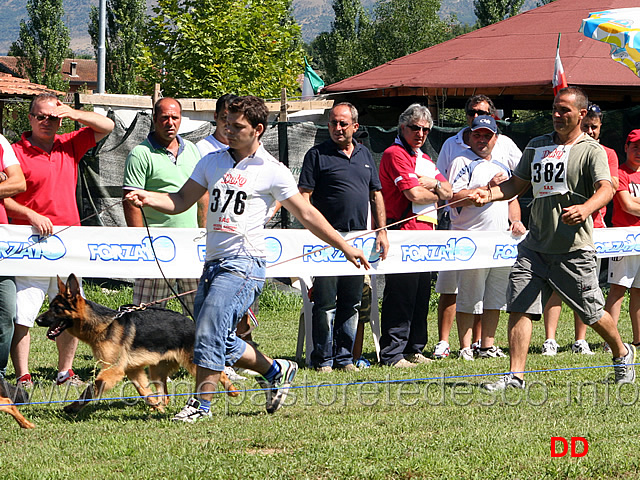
(57, 328)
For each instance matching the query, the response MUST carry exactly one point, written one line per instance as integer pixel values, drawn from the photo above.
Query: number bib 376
(229, 201)
(549, 171)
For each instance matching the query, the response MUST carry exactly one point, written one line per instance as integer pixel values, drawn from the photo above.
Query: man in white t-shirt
(454, 147)
(482, 291)
(244, 184)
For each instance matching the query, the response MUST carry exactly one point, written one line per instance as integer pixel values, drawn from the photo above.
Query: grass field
(366, 425)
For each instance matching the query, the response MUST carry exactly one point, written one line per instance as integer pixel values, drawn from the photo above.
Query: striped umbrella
(620, 28)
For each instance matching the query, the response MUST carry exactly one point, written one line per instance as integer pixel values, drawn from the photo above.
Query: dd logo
(565, 446)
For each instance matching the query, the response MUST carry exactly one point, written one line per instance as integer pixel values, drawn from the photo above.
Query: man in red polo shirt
(50, 165)
(411, 185)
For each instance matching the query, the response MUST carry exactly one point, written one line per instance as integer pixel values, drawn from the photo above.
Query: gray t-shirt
(585, 165)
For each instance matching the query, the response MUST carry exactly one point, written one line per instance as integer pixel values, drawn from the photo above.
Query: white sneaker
(581, 346)
(233, 375)
(508, 381)
(550, 347)
(442, 350)
(492, 352)
(475, 347)
(466, 354)
(191, 412)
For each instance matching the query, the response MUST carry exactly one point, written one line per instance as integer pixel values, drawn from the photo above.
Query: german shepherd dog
(159, 339)
(10, 394)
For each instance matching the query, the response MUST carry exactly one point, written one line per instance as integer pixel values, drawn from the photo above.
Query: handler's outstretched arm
(171, 203)
(313, 221)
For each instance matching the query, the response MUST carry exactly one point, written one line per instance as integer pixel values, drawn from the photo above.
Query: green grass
(438, 426)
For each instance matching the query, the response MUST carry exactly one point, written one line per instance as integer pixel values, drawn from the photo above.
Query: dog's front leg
(6, 405)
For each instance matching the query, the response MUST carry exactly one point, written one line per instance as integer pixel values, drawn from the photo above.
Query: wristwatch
(438, 185)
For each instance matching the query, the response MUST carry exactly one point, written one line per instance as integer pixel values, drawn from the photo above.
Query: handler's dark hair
(254, 109)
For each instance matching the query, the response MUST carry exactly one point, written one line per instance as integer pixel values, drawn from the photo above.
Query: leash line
(325, 384)
(369, 232)
(77, 224)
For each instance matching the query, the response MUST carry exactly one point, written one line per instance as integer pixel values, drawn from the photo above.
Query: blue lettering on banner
(202, 252)
(507, 251)
(164, 247)
(323, 253)
(630, 244)
(51, 248)
(272, 249)
(461, 249)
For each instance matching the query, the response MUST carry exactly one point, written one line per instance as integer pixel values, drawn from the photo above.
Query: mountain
(314, 16)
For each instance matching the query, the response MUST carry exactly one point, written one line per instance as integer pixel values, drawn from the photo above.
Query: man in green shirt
(162, 163)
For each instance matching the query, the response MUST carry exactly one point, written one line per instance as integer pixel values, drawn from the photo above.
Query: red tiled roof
(512, 57)
(15, 86)
(86, 70)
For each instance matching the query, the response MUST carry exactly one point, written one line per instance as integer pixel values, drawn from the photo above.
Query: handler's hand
(382, 244)
(479, 197)
(356, 257)
(574, 214)
(138, 198)
(42, 224)
(517, 228)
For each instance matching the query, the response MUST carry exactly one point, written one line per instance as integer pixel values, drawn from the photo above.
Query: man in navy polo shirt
(340, 178)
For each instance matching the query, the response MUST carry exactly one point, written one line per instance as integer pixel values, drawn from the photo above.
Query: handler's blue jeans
(335, 319)
(226, 290)
(7, 317)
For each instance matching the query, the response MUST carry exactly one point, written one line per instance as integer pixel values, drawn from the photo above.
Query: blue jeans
(335, 319)
(226, 290)
(7, 317)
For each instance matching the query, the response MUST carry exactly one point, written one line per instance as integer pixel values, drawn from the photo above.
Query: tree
(399, 27)
(493, 11)
(43, 44)
(125, 24)
(407, 26)
(205, 48)
(342, 52)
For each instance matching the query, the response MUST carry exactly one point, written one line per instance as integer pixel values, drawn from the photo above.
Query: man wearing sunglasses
(50, 165)
(411, 186)
(454, 147)
(340, 178)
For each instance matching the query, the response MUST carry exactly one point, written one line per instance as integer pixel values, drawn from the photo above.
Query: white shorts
(30, 292)
(625, 271)
(482, 289)
(447, 282)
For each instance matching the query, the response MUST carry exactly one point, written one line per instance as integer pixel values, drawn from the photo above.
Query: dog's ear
(61, 287)
(73, 287)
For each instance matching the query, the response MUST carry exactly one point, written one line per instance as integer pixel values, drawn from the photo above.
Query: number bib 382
(229, 201)
(549, 171)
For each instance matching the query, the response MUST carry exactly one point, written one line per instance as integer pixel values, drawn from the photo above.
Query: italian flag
(559, 79)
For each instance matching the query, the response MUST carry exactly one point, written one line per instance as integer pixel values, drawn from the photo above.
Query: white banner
(106, 252)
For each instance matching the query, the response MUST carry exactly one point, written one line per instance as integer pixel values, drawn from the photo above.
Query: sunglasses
(335, 123)
(42, 118)
(418, 128)
(473, 113)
